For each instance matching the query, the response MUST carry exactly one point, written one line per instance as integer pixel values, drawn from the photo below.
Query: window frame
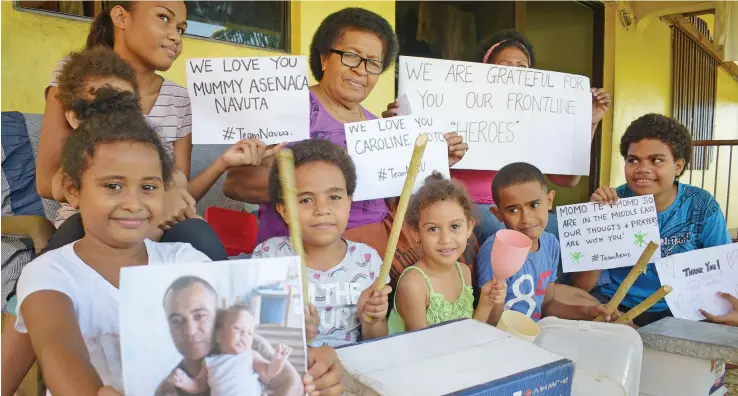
(285, 23)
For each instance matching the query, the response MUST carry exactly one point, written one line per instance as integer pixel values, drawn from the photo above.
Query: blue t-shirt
(527, 288)
(693, 221)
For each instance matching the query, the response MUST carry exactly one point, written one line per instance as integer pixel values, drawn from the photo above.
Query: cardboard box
(464, 357)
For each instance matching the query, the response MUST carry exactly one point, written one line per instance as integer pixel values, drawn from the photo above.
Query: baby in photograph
(235, 368)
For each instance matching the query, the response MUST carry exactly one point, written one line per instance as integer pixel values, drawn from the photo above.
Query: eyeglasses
(351, 59)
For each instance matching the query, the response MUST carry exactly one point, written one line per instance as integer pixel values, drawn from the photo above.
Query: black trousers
(196, 232)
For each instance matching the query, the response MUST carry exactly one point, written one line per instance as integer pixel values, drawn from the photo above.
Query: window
(255, 23)
(694, 82)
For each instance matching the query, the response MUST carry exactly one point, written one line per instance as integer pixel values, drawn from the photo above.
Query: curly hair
(107, 100)
(108, 128)
(334, 25)
(659, 127)
(315, 150)
(437, 189)
(96, 62)
(515, 174)
(505, 39)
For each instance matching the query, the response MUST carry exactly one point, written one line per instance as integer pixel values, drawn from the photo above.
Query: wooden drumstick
(407, 190)
(645, 305)
(286, 166)
(634, 273)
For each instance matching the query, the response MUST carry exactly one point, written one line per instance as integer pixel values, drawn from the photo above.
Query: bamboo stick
(407, 190)
(286, 167)
(644, 305)
(634, 273)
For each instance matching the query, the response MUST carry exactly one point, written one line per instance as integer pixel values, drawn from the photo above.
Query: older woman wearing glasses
(349, 51)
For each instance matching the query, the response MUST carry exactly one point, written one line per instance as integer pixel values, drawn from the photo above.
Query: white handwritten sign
(696, 277)
(239, 98)
(381, 150)
(595, 236)
(506, 114)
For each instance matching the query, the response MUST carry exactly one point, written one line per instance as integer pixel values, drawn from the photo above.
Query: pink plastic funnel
(509, 253)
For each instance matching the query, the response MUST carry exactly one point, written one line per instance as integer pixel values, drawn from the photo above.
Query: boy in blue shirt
(523, 202)
(657, 150)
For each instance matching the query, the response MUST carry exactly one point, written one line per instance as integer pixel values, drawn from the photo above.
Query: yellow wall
(33, 43)
(642, 81)
(561, 34)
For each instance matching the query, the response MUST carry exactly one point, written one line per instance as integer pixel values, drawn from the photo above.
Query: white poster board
(266, 98)
(506, 114)
(382, 148)
(597, 236)
(696, 277)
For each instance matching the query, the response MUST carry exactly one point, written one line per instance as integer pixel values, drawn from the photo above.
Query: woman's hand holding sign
(456, 148)
(601, 101)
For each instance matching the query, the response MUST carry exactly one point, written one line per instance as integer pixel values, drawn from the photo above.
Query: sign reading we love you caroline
(381, 150)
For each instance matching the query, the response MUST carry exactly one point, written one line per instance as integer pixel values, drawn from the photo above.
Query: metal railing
(715, 172)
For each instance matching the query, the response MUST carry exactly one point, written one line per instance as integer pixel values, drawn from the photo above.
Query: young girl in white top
(115, 170)
(344, 306)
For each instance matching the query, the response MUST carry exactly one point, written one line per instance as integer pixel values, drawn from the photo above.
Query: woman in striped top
(148, 36)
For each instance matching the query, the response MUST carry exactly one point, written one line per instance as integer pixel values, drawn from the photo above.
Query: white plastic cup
(518, 325)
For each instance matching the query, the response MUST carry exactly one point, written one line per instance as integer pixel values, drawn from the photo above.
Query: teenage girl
(510, 48)
(438, 288)
(147, 35)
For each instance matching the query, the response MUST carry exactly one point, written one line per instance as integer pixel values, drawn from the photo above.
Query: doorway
(567, 36)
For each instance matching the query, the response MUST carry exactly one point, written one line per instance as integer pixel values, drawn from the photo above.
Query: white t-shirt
(233, 375)
(95, 299)
(334, 292)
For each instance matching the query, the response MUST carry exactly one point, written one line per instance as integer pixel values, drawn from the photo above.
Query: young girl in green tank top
(437, 288)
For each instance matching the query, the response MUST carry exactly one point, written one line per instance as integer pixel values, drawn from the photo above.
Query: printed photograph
(221, 329)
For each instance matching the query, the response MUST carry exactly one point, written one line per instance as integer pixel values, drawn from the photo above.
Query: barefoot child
(115, 169)
(236, 369)
(437, 288)
(340, 272)
(523, 202)
(657, 150)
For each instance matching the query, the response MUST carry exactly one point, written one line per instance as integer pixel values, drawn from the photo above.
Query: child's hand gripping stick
(286, 167)
(634, 273)
(407, 190)
(644, 305)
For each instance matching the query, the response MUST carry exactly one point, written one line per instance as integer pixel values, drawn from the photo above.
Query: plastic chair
(237, 230)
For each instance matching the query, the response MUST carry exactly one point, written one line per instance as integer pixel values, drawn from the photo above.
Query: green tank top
(439, 309)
